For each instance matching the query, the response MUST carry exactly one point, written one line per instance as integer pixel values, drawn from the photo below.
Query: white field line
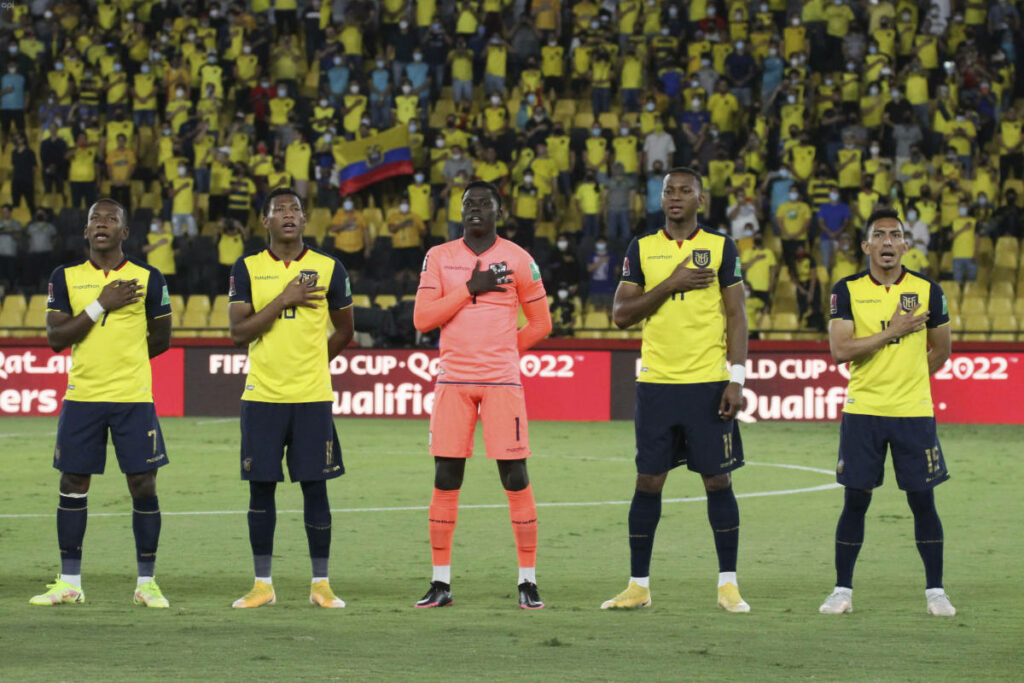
(419, 508)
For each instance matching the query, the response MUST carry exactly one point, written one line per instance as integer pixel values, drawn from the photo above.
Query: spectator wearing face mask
(833, 219)
(652, 197)
(792, 221)
(457, 163)
(13, 100)
(964, 242)
(160, 253)
(618, 197)
(603, 272)
(181, 191)
(563, 269)
(407, 231)
(563, 313)
(40, 256)
(381, 92)
(496, 66)
(589, 200)
(351, 237)
(526, 210)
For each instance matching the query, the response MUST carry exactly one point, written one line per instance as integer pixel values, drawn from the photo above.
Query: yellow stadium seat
(220, 303)
(361, 300)
(1004, 328)
(198, 302)
(178, 303)
(951, 288)
(407, 297)
(1001, 289)
(583, 119)
(976, 327)
(1004, 273)
(15, 302)
(219, 318)
(12, 317)
(35, 318)
(975, 290)
(1007, 243)
(953, 305)
(565, 107)
(972, 306)
(1000, 306)
(37, 302)
(785, 321)
(385, 300)
(597, 320)
(1018, 307)
(195, 318)
(609, 121)
(956, 324)
(1006, 256)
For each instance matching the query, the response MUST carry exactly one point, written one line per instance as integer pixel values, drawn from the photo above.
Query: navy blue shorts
(303, 431)
(82, 437)
(678, 424)
(916, 454)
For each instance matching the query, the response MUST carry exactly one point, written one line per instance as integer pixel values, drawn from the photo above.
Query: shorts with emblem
(916, 455)
(302, 432)
(82, 437)
(502, 410)
(678, 424)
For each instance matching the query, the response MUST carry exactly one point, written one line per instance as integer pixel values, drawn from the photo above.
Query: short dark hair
(686, 170)
(879, 214)
(279, 192)
(495, 192)
(110, 200)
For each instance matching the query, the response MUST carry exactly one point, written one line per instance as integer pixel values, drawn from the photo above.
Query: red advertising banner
(33, 380)
(560, 385)
(971, 388)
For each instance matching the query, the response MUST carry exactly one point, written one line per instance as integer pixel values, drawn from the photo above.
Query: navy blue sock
(928, 534)
(146, 525)
(262, 520)
(644, 514)
(72, 514)
(318, 524)
(724, 515)
(850, 534)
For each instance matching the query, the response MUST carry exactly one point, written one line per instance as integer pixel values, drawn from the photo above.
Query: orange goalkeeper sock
(444, 511)
(523, 512)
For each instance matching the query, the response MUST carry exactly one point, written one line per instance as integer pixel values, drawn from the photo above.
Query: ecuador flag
(372, 159)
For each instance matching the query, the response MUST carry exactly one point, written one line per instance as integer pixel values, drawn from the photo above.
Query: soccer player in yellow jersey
(115, 314)
(685, 283)
(892, 327)
(282, 301)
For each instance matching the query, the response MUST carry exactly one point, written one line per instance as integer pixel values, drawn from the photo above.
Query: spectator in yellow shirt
(159, 251)
(588, 204)
(793, 220)
(351, 237)
(407, 230)
(120, 168)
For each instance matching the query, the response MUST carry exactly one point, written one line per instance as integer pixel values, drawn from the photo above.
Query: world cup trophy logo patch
(308, 277)
(908, 302)
(702, 258)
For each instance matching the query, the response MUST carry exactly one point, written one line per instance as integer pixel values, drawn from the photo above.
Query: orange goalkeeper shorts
(502, 409)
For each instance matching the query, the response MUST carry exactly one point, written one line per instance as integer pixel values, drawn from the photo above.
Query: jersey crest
(908, 302)
(702, 258)
(308, 277)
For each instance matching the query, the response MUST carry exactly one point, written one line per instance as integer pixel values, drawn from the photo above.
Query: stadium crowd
(803, 117)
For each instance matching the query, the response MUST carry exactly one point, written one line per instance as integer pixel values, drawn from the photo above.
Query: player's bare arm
(63, 330)
(344, 328)
(247, 324)
(632, 304)
(845, 347)
(939, 346)
(734, 301)
(158, 335)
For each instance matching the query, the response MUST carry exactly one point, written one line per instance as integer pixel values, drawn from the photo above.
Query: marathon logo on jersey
(49, 293)
(501, 270)
(231, 286)
(308, 277)
(702, 258)
(908, 302)
(834, 304)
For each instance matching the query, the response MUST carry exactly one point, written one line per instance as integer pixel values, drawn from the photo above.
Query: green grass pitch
(582, 474)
